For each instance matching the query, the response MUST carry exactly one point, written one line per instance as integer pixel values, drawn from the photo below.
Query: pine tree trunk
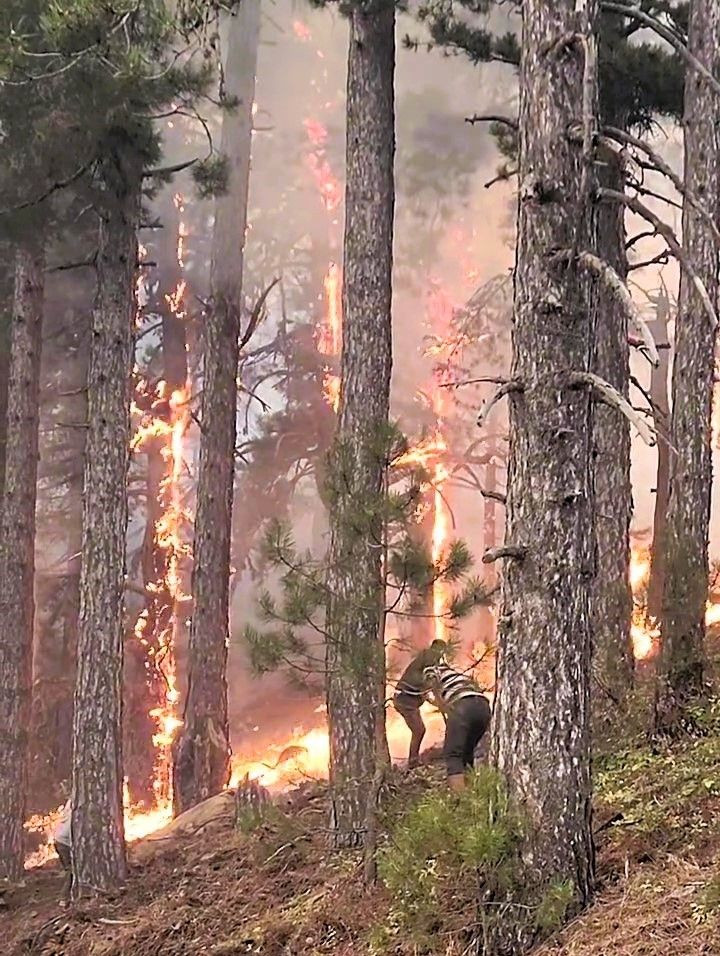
(17, 551)
(681, 673)
(4, 377)
(202, 764)
(58, 598)
(541, 719)
(97, 816)
(611, 597)
(661, 417)
(357, 469)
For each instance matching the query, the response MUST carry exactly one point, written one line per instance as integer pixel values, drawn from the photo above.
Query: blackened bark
(97, 814)
(357, 465)
(661, 416)
(681, 673)
(611, 597)
(17, 551)
(541, 738)
(202, 764)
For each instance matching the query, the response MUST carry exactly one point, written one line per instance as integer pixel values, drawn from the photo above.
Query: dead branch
(503, 174)
(492, 118)
(662, 229)
(490, 379)
(646, 395)
(612, 397)
(515, 551)
(661, 166)
(256, 313)
(662, 31)
(168, 170)
(646, 234)
(493, 495)
(605, 272)
(661, 259)
(512, 386)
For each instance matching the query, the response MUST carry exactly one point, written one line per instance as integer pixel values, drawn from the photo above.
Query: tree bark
(356, 475)
(97, 814)
(681, 672)
(541, 715)
(202, 765)
(611, 597)
(661, 417)
(17, 551)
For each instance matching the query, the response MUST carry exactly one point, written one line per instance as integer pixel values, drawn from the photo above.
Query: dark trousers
(65, 856)
(467, 721)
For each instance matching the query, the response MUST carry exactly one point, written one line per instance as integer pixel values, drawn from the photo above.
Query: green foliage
(84, 79)
(443, 852)
(661, 793)
(554, 905)
(294, 611)
(707, 905)
(211, 176)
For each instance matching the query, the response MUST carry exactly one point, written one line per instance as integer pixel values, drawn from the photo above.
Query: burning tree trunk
(358, 457)
(17, 551)
(611, 598)
(202, 763)
(661, 412)
(681, 678)
(97, 815)
(542, 709)
(149, 664)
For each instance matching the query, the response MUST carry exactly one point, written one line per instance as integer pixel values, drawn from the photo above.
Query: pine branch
(506, 389)
(492, 118)
(667, 34)
(613, 398)
(612, 280)
(621, 136)
(662, 229)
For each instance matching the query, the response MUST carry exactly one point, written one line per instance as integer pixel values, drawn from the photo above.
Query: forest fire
(164, 420)
(329, 341)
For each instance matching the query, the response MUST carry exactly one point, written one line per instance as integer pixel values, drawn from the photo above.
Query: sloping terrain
(276, 890)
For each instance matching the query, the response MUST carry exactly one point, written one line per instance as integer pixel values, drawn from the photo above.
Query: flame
(326, 182)
(139, 822)
(166, 422)
(645, 630)
(301, 31)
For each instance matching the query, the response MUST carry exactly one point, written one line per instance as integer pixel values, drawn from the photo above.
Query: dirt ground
(276, 891)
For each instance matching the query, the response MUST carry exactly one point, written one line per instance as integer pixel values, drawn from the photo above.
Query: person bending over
(410, 694)
(467, 717)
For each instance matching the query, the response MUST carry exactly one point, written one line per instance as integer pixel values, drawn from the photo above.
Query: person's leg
(478, 720)
(409, 710)
(65, 856)
(455, 747)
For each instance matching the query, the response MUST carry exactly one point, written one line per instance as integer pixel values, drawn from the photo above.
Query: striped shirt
(448, 685)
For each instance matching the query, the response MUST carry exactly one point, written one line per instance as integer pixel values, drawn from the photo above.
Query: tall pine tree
(202, 760)
(681, 675)
(541, 715)
(355, 657)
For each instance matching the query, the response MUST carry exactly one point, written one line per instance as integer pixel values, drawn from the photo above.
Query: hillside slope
(275, 890)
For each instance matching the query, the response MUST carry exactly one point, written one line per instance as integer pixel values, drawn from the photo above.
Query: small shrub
(442, 855)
